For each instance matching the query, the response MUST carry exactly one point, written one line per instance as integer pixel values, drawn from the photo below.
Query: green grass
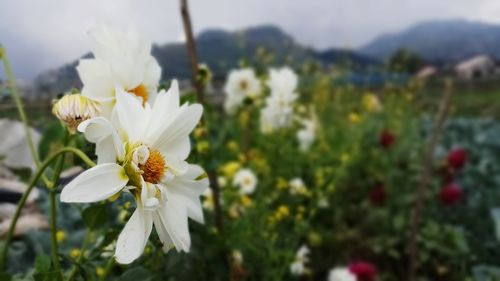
(479, 99)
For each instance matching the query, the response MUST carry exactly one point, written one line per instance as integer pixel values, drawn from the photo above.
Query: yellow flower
(281, 183)
(259, 161)
(314, 238)
(203, 147)
(200, 132)
(242, 158)
(233, 211)
(282, 212)
(244, 118)
(371, 103)
(75, 253)
(99, 271)
(246, 201)
(344, 158)
(354, 118)
(60, 235)
(229, 169)
(233, 146)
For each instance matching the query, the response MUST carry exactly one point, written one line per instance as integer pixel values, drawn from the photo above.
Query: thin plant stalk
(428, 163)
(74, 269)
(22, 201)
(53, 210)
(14, 91)
(191, 48)
(107, 269)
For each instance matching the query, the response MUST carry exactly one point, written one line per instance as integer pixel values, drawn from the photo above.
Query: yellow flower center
(247, 181)
(243, 85)
(140, 91)
(154, 168)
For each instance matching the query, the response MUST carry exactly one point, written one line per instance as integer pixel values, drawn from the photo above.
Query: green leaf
(42, 263)
(53, 134)
(5, 276)
(136, 273)
(95, 216)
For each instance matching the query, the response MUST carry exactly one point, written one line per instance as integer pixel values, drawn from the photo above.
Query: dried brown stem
(428, 163)
(191, 50)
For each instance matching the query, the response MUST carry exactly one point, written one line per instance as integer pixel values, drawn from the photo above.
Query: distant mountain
(221, 50)
(440, 41)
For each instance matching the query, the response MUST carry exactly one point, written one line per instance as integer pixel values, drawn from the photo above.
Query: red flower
(386, 139)
(364, 271)
(378, 194)
(451, 194)
(457, 158)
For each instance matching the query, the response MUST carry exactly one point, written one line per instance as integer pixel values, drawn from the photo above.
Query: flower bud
(451, 194)
(73, 109)
(204, 74)
(457, 158)
(387, 139)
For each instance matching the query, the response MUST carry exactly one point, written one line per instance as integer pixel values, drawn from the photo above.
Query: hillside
(221, 50)
(440, 41)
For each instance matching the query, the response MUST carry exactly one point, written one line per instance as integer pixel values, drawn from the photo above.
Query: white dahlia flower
(121, 60)
(143, 152)
(341, 274)
(246, 180)
(240, 84)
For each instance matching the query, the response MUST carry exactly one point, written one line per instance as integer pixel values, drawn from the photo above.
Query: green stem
(53, 233)
(109, 266)
(22, 202)
(74, 269)
(53, 211)
(19, 104)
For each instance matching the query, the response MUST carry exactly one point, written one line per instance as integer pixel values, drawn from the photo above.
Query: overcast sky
(43, 34)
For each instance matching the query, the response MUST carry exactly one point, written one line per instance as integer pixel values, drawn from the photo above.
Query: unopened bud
(73, 109)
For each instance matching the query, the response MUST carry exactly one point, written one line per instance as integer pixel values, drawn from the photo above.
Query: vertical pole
(191, 50)
(428, 163)
(193, 58)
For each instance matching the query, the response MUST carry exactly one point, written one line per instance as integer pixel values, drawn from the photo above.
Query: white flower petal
(95, 184)
(175, 164)
(131, 114)
(174, 218)
(134, 236)
(175, 134)
(165, 239)
(165, 109)
(100, 131)
(96, 78)
(187, 190)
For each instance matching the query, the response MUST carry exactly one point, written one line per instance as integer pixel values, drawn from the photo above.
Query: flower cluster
(278, 111)
(142, 143)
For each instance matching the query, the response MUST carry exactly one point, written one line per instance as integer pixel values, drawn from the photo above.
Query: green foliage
(404, 60)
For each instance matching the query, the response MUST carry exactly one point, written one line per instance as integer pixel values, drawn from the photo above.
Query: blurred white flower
(222, 181)
(282, 82)
(341, 274)
(297, 187)
(278, 111)
(240, 84)
(121, 60)
(307, 135)
(73, 109)
(208, 199)
(246, 180)
(298, 266)
(14, 149)
(237, 257)
(145, 154)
